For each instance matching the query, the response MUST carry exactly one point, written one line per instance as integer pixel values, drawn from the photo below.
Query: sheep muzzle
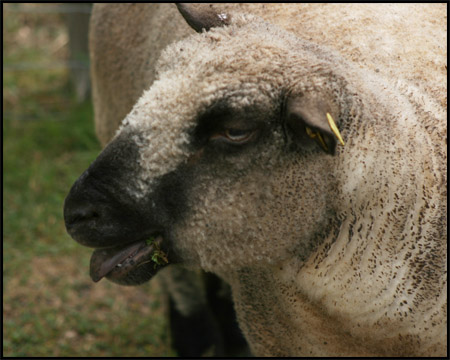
(131, 236)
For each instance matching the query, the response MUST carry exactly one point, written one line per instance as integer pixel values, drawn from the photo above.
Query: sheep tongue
(104, 260)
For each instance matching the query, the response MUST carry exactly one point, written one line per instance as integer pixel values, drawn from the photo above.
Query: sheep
(299, 153)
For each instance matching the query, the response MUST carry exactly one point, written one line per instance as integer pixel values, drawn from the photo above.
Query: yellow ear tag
(334, 128)
(317, 135)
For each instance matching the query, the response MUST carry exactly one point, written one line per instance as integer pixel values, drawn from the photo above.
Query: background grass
(50, 305)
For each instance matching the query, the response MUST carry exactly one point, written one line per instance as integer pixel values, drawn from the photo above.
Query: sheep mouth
(132, 264)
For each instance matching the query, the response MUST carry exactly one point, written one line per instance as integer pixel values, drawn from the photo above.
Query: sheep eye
(235, 136)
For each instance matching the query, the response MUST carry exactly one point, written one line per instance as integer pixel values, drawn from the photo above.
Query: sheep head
(226, 162)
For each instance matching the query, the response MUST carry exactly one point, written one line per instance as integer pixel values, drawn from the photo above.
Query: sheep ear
(311, 121)
(202, 16)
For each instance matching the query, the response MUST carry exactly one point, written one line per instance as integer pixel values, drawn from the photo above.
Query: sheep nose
(89, 213)
(83, 219)
(97, 214)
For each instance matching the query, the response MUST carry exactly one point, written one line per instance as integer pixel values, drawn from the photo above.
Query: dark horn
(202, 16)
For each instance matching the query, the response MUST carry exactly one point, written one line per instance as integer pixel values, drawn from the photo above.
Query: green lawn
(50, 305)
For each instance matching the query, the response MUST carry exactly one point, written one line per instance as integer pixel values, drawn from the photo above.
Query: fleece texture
(340, 255)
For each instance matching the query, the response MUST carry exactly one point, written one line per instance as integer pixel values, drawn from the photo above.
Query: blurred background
(50, 305)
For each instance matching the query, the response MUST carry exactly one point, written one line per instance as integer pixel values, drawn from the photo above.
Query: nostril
(81, 216)
(80, 213)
